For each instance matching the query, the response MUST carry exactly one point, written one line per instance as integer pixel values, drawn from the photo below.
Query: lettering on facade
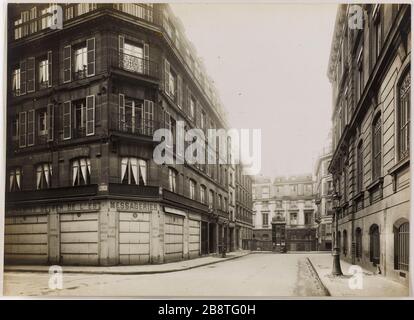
(134, 206)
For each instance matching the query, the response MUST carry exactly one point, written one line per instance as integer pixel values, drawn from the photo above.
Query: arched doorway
(358, 245)
(374, 244)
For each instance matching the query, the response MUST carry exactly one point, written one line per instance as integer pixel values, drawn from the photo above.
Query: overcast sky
(269, 63)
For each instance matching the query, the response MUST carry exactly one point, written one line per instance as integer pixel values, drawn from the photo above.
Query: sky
(269, 63)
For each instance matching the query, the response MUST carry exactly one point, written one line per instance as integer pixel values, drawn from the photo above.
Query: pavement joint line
(319, 278)
(10, 269)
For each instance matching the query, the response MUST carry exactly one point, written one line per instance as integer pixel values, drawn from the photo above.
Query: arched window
(374, 244)
(81, 171)
(403, 116)
(401, 246)
(376, 147)
(133, 171)
(358, 240)
(43, 175)
(345, 244)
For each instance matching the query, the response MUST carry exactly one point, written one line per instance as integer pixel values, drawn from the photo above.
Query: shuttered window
(23, 77)
(50, 122)
(148, 117)
(22, 129)
(90, 115)
(31, 74)
(67, 64)
(90, 47)
(31, 127)
(67, 122)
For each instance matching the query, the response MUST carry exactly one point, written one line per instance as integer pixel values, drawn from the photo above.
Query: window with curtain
(15, 179)
(81, 61)
(133, 171)
(44, 175)
(376, 147)
(81, 171)
(16, 81)
(404, 117)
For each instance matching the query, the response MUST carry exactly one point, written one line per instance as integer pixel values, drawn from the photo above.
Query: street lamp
(336, 268)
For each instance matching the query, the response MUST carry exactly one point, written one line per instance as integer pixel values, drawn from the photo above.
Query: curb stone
(8, 269)
(319, 278)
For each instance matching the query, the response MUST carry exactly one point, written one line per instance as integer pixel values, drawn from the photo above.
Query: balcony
(133, 126)
(40, 140)
(52, 193)
(133, 190)
(134, 65)
(176, 198)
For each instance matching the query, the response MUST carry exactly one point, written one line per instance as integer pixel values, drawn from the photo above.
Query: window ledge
(357, 196)
(377, 183)
(399, 166)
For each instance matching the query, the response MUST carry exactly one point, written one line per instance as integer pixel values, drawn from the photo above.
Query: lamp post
(336, 267)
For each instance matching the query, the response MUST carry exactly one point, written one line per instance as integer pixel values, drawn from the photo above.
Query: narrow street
(261, 275)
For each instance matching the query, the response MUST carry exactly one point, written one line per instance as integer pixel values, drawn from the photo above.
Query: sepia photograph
(204, 150)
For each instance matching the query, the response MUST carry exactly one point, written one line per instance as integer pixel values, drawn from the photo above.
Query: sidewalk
(138, 269)
(373, 285)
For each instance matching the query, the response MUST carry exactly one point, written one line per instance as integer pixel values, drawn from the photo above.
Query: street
(260, 275)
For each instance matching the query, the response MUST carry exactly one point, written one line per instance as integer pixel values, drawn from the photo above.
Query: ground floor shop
(108, 232)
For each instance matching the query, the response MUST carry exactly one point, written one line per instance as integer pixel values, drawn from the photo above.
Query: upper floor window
(192, 189)
(133, 171)
(376, 147)
(211, 199)
(81, 171)
(265, 218)
(45, 71)
(360, 75)
(79, 59)
(15, 179)
(360, 167)
(192, 107)
(43, 176)
(293, 218)
(203, 191)
(173, 83)
(377, 38)
(172, 179)
(16, 81)
(403, 116)
(79, 118)
(139, 10)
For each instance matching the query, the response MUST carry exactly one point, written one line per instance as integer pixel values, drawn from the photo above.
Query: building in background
(244, 206)
(323, 194)
(369, 69)
(83, 103)
(289, 200)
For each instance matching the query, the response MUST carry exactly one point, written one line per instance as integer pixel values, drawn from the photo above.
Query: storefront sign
(134, 206)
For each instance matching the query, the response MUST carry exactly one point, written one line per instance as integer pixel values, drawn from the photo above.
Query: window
(360, 75)
(192, 189)
(376, 147)
(265, 192)
(43, 176)
(203, 191)
(16, 81)
(141, 10)
(265, 217)
(403, 133)
(81, 171)
(211, 199)
(131, 116)
(133, 56)
(133, 171)
(192, 107)
(293, 218)
(42, 122)
(374, 244)
(219, 202)
(358, 240)
(402, 246)
(15, 179)
(45, 71)
(172, 179)
(308, 218)
(83, 62)
(376, 16)
(79, 118)
(171, 79)
(202, 120)
(360, 167)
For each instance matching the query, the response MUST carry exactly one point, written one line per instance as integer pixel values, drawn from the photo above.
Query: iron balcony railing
(134, 64)
(126, 123)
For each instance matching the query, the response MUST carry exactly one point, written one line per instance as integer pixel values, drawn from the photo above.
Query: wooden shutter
(90, 115)
(31, 127)
(121, 112)
(179, 91)
(148, 117)
(22, 129)
(167, 77)
(31, 74)
(23, 77)
(121, 43)
(90, 48)
(146, 59)
(50, 121)
(67, 64)
(49, 70)
(67, 120)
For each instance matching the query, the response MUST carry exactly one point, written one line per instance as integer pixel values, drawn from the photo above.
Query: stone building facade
(369, 69)
(83, 103)
(289, 200)
(323, 192)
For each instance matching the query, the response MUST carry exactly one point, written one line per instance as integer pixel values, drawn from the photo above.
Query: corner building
(369, 69)
(83, 103)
